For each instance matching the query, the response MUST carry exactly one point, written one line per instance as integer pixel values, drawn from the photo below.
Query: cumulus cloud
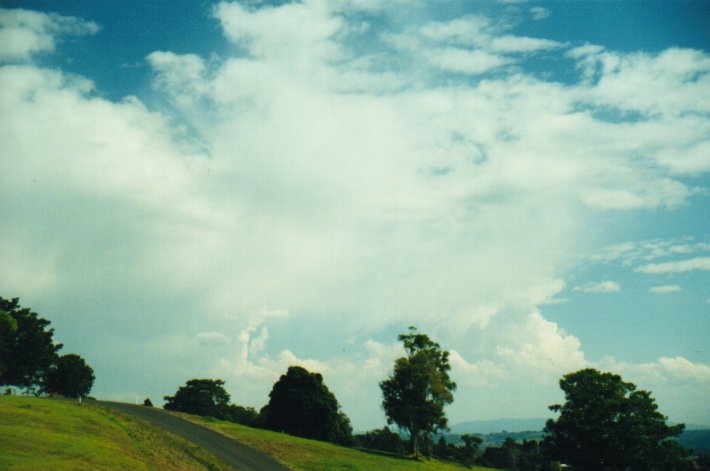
(599, 287)
(319, 214)
(24, 33)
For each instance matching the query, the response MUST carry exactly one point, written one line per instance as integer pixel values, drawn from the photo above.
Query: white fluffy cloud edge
(336, 196)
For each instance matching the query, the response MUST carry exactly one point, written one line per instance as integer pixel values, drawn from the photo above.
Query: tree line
(29, 357)
(605, 423)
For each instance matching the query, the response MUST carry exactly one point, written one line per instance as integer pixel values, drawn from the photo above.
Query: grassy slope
(302, 454)
(47, 434)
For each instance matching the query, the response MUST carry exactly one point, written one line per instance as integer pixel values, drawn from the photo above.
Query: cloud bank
(321, 196)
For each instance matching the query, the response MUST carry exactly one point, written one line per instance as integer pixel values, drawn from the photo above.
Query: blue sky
(223, 189)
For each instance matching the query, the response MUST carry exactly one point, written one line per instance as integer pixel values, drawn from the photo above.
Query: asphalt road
(227, 449)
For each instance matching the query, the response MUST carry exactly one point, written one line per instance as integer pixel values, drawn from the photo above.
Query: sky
(198, 189)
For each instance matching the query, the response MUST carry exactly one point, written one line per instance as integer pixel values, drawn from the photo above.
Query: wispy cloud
(599, 287)
(666, 289)
(540, 13)
(24, 33)
(681, 266)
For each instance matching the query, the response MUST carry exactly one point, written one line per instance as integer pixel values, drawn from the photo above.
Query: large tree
(301, 404)
(415, 394)
(606, 424)
(27, 346)
(206, 397)
(70, 376)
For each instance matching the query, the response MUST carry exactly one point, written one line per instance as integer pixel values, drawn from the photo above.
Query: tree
(301, 404)
(28, 349)
(206, 397)
(605, 423)
(470, 447)
(415, 394)
(8, 329)
(241, 415)
(383, 439)
(70, 376)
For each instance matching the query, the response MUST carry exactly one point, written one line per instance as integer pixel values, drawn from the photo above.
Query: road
(227, 449)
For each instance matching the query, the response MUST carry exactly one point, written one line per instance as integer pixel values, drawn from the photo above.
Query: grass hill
(303, 454)
(40, 433)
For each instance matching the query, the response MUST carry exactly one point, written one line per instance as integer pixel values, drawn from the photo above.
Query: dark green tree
(28, 349)
(206, 397)
(241, 415)
(70, 376)
(301, 404)
(470, 448)
(382, 439)
(8, 329)
(606, 424)
(415, 394)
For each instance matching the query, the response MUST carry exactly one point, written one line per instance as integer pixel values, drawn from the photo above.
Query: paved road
(227, 449)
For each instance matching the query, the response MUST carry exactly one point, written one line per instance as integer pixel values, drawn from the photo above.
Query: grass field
(302, 454)
(43, 434)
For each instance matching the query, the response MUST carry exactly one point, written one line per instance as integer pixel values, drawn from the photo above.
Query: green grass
(40, 433)
(302, 454)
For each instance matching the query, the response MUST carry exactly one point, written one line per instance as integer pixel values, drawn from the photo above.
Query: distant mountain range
(498, 425)
(696, 437)
(518, 425)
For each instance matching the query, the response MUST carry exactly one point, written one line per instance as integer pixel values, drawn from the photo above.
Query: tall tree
(70, 376)
(29, 349)
(206, 397)
(301, 404)
(605, 423)
(415, 394)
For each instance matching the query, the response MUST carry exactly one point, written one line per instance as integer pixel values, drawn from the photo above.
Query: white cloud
(512, 44)
(683, 369)
(464, 61)
(644, 83)
(599, 287)
(677, 369)
(326, 208)
(666, 289)
(540, 13)
(24, 33)
(294, 35)
(680, 266)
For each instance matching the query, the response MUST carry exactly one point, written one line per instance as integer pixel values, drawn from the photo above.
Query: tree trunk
(415, 441)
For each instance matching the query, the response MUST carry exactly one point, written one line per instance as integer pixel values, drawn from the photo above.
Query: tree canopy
(415, 394)
(27, 348)
(70, 376)
(206, 397)
(605, 423)
(301, 404)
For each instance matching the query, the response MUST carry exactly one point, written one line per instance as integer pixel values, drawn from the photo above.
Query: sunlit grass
(40, 433)
(302, 454)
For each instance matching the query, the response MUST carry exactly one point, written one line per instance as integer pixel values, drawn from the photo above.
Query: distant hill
(696, 440)
(696, 437)
(498, 425)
